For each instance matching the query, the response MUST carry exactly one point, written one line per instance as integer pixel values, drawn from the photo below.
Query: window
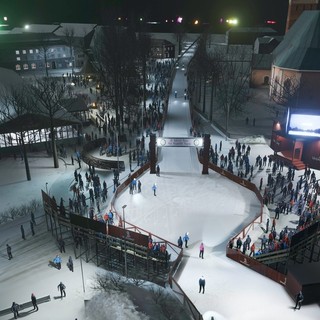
(33, 66)
(37, 50)
(31, 51)
(25, 66)
(18, 67)
(18, 59)
(24, 51)
(17, 52)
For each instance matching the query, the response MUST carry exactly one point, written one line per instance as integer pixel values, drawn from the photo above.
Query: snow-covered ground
(209, 207)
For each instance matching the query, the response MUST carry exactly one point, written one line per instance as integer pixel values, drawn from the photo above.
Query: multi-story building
(44, 48)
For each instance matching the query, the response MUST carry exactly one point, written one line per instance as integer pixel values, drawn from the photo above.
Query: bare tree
(144, 51)
(48, 94)
(69, 36)
(14, 103)
(233, 81)
(114, 56)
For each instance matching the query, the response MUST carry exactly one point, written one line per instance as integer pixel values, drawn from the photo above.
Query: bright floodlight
(196, 22)
(26, 26)
(179, 19)
(5, 18)
(232, 21)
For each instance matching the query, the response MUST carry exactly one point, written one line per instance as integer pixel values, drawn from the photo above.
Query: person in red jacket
(252, 250)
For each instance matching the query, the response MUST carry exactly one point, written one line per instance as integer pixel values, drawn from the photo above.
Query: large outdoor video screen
(303, 124)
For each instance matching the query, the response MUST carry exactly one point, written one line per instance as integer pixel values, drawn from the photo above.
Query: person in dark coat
(180, 243)
(299, 299)
(70, 263)
(62, 245)
(158, 171)
(34, 302)
(15, 310)
(239, 243)
(62, 289)
(22, 233)
(32, 228)
(267, 226)
(9, 252)
(33, 218)
(202, 284)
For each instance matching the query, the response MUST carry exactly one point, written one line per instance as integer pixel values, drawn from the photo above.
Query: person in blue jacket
(57, 261)
(186, 239)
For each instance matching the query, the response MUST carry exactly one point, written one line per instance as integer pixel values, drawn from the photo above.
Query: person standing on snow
(62, 289)
(34, 302)
(22, 232)
(186, 239)
(202, 284)
(180, 243)
(239, 243)
(70, 264)
(9, 252)
(201, 250)
(299, 300)
(154, 188)
(15, 310)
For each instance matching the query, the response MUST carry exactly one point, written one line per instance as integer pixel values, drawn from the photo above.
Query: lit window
(18, 67)
(33, 66)
(30, 51)
(24, 51)
(48, 64)
(17, 52)
(25, 66)
(18, 59)
(37, 50)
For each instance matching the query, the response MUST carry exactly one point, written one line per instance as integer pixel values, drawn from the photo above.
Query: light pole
(118, 152)
(47, 187)
(125, 242)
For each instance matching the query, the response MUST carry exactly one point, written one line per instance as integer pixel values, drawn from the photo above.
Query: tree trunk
(25, 157)
(54, 148)
(204, 95)
(227, 117)
(144, 73)
(211, 101)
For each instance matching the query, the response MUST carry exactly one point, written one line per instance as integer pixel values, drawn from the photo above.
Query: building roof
(31, 121)
(37, 28)
(79, 29)
(300, 49)
(265, 30)
(9, 79)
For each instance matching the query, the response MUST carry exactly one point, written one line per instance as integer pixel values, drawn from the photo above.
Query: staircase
(305, 248)
(286, 159)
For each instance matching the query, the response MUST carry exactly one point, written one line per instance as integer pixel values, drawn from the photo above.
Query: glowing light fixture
(232, 21)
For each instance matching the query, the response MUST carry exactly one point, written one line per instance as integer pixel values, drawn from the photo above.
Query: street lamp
(125, 242)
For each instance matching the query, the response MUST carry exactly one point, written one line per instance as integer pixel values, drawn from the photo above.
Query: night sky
(249, 12)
